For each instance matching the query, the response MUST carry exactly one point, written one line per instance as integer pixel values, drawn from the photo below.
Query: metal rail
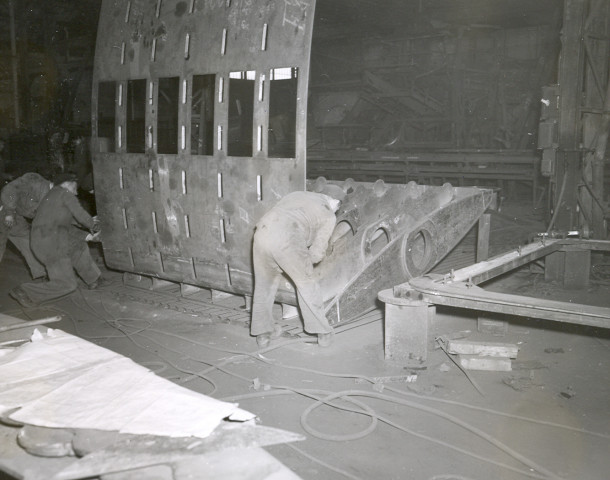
(459, 289)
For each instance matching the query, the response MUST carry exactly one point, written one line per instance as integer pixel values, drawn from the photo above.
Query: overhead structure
(576, 121)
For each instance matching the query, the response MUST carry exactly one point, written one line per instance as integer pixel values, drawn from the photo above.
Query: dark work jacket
(22, 195)
(53, 229)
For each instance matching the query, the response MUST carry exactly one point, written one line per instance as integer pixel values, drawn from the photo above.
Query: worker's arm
(318, 247)
(77, 211)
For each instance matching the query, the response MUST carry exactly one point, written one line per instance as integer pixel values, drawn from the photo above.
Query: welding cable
(116, 324)
(451, 418)
(320, 462)
(366, 410)
(357, 376)
(415, 405)
(165, 359)
(199, 374)
(442, 414)
(292, 391)
(449, 476)
(441, 343)
(239, 353)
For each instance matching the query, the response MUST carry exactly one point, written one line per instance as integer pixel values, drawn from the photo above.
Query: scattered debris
(390, 379)
(519, 383)
(451, 336)
(483, 349)
(528, 365)
(477, 362)
(554, 350)
(423, 390)
(568, 393)
(416, 367)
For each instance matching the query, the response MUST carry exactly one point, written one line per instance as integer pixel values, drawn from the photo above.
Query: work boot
(263, 340)
(325, 339)
(22, 297)
(100, 282)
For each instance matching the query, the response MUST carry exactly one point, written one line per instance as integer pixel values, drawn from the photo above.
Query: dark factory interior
(298, 239)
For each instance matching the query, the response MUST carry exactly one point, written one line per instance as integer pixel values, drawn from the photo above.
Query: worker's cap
(333, 191)
(64, 177)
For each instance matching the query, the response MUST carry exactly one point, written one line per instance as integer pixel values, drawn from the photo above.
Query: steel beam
(460, 288)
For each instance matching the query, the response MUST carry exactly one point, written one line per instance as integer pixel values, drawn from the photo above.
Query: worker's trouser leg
(297, 265)
(21, 240)
(61, 281)
(19, 235)
(3, 239)
(267, 278)
(85, 266)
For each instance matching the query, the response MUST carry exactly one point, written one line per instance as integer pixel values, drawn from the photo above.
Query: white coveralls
(291, 238)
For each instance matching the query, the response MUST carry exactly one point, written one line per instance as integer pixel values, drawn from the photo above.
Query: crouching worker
(19, 201)
(291, 238)
(60, 245)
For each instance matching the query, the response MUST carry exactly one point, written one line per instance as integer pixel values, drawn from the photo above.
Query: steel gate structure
(179, 184)
(199, 127)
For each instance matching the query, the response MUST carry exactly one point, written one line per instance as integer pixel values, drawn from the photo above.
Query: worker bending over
(291, 238)
(19, 201)
(60, 245)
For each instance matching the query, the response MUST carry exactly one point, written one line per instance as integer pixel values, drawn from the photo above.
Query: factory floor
(547, 418)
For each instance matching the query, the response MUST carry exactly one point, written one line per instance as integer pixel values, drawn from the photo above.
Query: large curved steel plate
(186, 131)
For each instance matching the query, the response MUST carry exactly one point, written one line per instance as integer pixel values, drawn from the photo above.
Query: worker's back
(305, 212)
(23, 195)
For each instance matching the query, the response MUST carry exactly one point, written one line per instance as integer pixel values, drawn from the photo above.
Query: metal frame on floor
(410, 306)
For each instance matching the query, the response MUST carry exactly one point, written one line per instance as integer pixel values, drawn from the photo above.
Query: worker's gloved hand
(9, 221)
(96, 227)
(316, 257)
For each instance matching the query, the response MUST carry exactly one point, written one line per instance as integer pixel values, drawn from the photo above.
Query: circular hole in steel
(419, 250)
(378, 240)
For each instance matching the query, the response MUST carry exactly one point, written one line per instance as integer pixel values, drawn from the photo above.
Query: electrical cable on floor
(291, 391)
(320, 462)
(451, 418)
(441, 343)
(374, 416)
(449, 476)
(117, 325)
(368, 411)
(256, 355)
(459, 422)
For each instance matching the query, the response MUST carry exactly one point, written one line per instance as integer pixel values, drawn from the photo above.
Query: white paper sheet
(64, 381)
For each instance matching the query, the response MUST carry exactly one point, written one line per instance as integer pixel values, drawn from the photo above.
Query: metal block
(554, 267)
(186, 289)
(406, 331)
(571, 267)
(547, 166)
(577, 269)
(135, 280)
(547, 134)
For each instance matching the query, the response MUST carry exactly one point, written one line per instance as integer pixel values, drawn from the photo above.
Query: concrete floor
(547, 418)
